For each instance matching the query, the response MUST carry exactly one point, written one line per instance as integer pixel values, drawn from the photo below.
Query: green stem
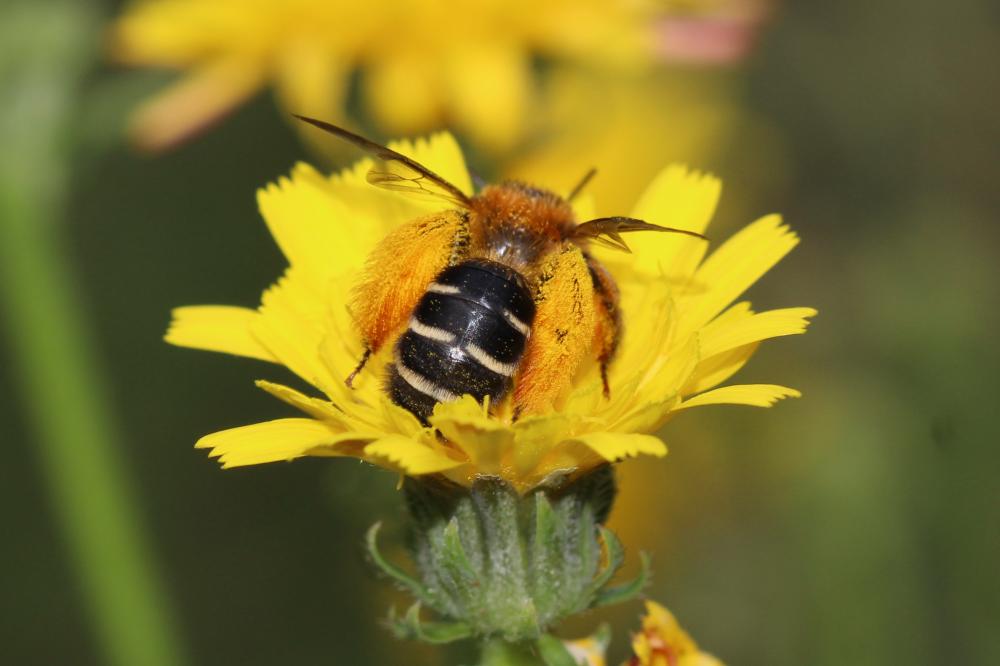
(61, 383)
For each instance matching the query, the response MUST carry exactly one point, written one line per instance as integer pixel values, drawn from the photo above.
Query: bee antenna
(587, 177)
(478, 181)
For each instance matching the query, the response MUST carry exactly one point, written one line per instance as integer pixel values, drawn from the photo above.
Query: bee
(495, 296)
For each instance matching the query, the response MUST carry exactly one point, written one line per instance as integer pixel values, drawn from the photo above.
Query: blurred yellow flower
(662, 642)
(632, 126)
(420, 64)
(683, 336)
(588, 651)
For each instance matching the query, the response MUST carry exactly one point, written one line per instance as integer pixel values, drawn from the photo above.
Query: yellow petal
(534, 438)
(403, 91)
(583, 205)
(645, 335)
(398, 419)
(734, 313)
(648, 417)
(314, 407)
(615, 446)
(755, 395)
(489, 85)
(731, 269)
(292, 326)
(587, 651)
(181, 33)
(717, 369)
(273, 441)
(671, 370)
(317, 233)
(761, 326)
(312, 79)
(220, 328)
(407, 456)
(192, 104)
(676, 198)
(466, 424)
(377, 211)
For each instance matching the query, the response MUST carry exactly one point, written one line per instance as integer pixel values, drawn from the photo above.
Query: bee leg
(607, 317)
(561, 332)
(361, 364)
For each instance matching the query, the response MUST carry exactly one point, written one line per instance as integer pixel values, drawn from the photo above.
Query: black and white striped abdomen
(466, 335)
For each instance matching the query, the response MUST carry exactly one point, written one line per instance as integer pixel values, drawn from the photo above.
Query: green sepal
(411, 627)
(554, 652)
(404, 580)
(616, 556)
(454, 555)
(626, 591)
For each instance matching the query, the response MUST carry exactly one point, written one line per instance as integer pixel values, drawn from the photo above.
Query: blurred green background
(858, 525)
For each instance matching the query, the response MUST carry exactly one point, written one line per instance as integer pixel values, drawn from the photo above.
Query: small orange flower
(662, 642)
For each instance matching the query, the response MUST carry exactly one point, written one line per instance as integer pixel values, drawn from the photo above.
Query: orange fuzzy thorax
(518, 224)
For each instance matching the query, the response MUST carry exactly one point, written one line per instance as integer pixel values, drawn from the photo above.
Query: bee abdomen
(467, 335)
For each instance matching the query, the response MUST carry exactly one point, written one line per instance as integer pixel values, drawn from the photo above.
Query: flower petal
(731, 269)
(466, 424)
(676, 198)
(717, 369)
(317, 233)
(219, 328)
(311, 80)
(648, 417)
(757, 327)
(273, 441)
(615, 446)
(402, 90)
(314, 407)
(489, 84)
(290, 326)
(533, 440)
(194, 103)
(755, 395)
(379, 210)
(407, 456)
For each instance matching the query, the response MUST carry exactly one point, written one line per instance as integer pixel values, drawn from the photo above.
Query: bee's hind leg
(361, 364)
(607, 318)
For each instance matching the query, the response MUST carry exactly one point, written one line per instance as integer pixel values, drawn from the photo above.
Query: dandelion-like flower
(683, 337)
(662, 642)
(419, 64)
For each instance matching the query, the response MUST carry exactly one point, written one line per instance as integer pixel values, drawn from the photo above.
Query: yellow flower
(683, 336)
(662, 642)
(588, 651)
(420, 64)
(633, 125)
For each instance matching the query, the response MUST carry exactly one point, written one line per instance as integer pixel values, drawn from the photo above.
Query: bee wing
(607, 231)
(395, 171)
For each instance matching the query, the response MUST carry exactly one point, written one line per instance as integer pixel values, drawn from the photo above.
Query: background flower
(662, 642)
(420, 65)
